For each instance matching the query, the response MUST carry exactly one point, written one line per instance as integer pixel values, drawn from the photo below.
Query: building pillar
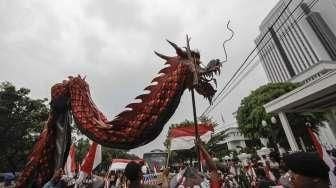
(243, 144)
(229, 146)
(282, 52)
(288, 131)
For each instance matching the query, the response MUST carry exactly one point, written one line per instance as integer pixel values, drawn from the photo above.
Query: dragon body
(139, 124)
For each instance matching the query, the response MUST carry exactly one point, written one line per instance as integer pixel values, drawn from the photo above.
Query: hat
(307, 164)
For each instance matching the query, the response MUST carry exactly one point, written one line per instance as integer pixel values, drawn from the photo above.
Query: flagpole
(196, 129)
(168, 157)
(195, 82)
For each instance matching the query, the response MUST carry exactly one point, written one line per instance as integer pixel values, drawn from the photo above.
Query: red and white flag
(92, 159)
(251, 173)
(324, 156)
(70, 165)
(184, 137)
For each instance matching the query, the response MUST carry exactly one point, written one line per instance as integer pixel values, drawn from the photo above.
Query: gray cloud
(112, 43)
(119, 14)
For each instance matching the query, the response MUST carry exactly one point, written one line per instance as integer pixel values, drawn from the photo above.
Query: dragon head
(199, 77)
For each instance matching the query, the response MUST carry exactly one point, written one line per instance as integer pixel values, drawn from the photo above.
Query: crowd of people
(115, 179)
(296, 170)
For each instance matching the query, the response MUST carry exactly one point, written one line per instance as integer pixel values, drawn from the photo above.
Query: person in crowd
(56, 181)
(165, 178)
(192, 177)
(110, 180)
(262, 161)
(125, 180)
(107, 183)
(113, 179)
(255, 161)
(8, 178)
(119, 180)
(229, 182)
(250, 172)
(274, 167)
(307, 170)
(262, 180)
(233, 168)
(269, 172)
(134, 174)
(282, 167)
(273, 163)
(189, 177)
(214, 175)
(284, 180)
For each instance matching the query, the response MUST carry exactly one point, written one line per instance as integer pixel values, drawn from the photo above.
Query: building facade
(297, 43)
(295, 36)
(234, 140)
(156, 159)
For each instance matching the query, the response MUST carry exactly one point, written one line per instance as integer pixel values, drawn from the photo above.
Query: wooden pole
(168, 157)
(196, 129)
(195, 82)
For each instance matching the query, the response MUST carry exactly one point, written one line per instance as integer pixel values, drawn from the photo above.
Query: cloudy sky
(112, 42)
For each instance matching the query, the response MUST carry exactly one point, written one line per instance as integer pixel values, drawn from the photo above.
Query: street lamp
(273, 120)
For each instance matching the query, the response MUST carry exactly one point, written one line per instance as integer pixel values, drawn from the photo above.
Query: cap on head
(307, 164)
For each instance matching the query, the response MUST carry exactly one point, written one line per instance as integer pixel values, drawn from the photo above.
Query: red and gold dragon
(139, 124)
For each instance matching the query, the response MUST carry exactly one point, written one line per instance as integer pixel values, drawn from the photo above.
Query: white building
(233, 139)
(301, 37)
(300, 46)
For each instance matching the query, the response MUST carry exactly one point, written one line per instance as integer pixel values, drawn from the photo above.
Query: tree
(21, 121)
(82, 147)
(251, 113)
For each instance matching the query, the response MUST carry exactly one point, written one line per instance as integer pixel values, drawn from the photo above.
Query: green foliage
(208, 120)
(82, 147)
(21, 121)
(251, 113)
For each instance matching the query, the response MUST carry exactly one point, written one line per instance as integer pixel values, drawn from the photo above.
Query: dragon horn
(179, 51)
(162, 56)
